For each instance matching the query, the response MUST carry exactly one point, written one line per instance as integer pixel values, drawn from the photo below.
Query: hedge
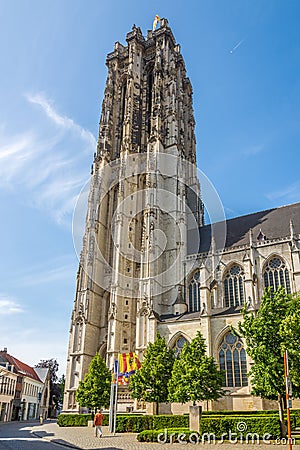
(296, 413)
(169, 421)
(77, 420)
(152, 435)
(240, 413)
(127, 422)
(217, 422)
(261, 425)
(217, 427)
(134, 424)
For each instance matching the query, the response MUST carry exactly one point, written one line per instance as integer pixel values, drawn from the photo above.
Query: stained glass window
(276, 274)
(232, 359)
(178, 346)
(234, 286)
(194, 293)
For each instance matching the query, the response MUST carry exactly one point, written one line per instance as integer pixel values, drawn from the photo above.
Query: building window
(194, 292)
(234, 286)
(232, 359)
(178, 346)
(150, 81)
(276, 274)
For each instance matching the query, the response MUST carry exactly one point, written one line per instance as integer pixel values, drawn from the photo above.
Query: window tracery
(232, 359)
(276, 274)
(178, 345)
(234, 286)
(194, 293)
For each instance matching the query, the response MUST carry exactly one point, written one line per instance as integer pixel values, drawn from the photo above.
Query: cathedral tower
(144, 195)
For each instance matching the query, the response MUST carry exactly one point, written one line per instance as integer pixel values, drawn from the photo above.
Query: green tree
(94, 390)
(150, 382)
(290, 332)
(195, 376)
(268, 332)
(61, 388)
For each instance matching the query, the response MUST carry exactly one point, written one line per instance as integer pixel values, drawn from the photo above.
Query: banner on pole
(128, 364)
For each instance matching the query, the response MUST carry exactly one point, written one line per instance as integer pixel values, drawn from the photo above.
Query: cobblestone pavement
(83, 438)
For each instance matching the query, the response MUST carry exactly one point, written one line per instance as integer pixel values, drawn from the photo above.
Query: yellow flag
(155, 22)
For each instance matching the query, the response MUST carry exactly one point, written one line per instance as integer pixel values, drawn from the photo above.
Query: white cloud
(9, 306)
(62, 121)
(49, 163)
(289, 193)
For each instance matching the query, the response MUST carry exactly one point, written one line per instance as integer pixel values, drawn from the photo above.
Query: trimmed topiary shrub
(240, 413)
(296, 414)
(77, 420)
(166, 435)
(133, 423)
(261, 425)
(169, 421)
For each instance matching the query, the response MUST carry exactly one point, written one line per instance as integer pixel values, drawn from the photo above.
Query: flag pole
(111, 406)
(288, 397)
(116, 397)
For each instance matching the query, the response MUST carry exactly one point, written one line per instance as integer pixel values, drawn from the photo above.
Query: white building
(31, 396)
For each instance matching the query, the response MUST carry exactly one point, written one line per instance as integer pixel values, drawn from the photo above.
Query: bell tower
(144, 195)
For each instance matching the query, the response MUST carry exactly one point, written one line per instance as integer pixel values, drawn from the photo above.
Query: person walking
(98, 420)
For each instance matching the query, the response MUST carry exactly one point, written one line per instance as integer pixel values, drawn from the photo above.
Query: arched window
(276, 274)
(232, 359)
(178, 346)
(234, 286)
(122, 110)
(194, 292)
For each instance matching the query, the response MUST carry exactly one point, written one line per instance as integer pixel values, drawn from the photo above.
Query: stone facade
(148, 263)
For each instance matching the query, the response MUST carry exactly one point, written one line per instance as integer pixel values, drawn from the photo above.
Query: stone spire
(147, 96)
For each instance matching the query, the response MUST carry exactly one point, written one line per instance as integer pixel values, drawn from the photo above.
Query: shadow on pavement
(42, 433)
(109, 448)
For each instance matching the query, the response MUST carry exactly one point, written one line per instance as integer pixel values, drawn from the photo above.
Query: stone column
(195, 416)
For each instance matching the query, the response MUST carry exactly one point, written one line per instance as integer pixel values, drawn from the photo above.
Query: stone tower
(144, 195)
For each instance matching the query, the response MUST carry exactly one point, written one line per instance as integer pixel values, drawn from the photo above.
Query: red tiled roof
(21, 367)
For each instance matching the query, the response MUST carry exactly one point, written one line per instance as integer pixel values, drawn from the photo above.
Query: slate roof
(197, 316)
(20, 367)
(273, 223)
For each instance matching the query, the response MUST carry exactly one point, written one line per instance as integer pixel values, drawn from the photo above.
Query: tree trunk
(156, 407)
(283, 428)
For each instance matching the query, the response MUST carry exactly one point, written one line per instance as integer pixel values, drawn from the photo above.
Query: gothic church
(148, 261)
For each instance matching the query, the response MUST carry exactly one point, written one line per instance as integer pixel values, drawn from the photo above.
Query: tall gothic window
(194, 293)
(150, 80)
(234, 286)
(276, 274)
(122, 110)
(178, 346)
(232, 359)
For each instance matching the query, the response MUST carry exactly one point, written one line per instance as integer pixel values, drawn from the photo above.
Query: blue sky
(243, 59)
